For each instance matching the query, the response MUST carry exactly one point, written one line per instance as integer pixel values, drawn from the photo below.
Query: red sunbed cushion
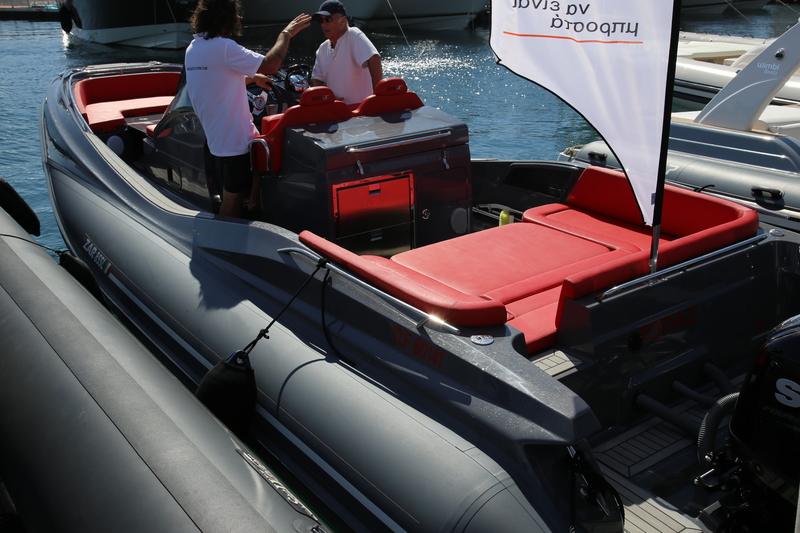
(106, 116)
(486, 261)
(412, 287)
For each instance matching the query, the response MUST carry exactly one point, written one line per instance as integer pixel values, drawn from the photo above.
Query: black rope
(263, 334)
(325, 330)
(31, 241)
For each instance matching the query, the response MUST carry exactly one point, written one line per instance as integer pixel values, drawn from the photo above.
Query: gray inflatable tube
(96, 435)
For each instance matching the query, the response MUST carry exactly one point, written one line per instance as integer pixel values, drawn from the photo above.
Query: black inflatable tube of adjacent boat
(96, 435)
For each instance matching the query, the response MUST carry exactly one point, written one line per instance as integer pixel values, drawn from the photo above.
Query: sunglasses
(322, 19)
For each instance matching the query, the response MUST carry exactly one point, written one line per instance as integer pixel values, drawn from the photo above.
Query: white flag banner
(608, 59)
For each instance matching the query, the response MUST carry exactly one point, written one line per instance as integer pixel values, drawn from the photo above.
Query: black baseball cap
(329, 7)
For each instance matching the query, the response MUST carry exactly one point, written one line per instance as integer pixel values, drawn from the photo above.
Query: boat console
(386, 176)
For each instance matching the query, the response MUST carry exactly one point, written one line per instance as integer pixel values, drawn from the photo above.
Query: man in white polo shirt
(217, 72)
(347, 62)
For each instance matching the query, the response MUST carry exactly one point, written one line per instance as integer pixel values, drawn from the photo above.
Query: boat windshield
(181, 100)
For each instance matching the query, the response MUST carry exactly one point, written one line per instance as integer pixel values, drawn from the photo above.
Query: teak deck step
(640, 450)
(647, 514)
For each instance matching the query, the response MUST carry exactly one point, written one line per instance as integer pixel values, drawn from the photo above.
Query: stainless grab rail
(681, 266)
(734, 199)
(263, 143)
(425, 317)
(402, 142)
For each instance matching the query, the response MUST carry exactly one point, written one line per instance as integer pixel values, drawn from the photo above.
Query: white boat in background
(747, 5)
(716, 7)
(707, 62)
(260, 12)
(703, 7)
(425, 15)
(142, 23)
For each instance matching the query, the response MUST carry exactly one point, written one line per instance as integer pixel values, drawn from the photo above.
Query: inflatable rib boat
(418, 365)
(96, 435)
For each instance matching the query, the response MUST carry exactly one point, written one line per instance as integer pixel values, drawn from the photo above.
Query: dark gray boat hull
(395, 421)
(376, 460)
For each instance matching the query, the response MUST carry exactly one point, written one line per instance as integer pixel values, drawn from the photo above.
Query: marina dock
(28, 10)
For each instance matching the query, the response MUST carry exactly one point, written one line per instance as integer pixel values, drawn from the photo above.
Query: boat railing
(254, 164)
(734, 199)
(655, 276)
(494, 212)
(424, 318)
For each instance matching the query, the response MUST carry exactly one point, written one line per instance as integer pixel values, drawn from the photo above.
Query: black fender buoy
(65, 15)
(13, 204)
(229, 391)
(82, 274)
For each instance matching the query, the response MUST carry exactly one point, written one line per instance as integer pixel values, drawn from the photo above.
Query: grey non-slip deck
(639, 450)
(557, 362)
(634, 452)
(645, 513)
(646, 445)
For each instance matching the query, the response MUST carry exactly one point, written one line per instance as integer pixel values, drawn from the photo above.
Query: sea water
(508, 116)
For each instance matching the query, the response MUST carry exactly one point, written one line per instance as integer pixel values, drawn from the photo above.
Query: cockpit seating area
(318, 104)
(391, 94)
(522, 273)
(133, 95)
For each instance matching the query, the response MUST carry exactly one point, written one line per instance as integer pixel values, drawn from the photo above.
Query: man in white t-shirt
(217, 73)
(347, 62)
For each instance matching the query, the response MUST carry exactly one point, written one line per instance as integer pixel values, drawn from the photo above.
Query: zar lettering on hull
(96, 256)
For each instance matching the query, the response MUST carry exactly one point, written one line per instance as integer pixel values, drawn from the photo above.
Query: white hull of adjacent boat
(716, 7)
(171, 36)
(260, 12)
(748, 4)
(706, 63)
(436, 23)
(425, 15)
(704, 7)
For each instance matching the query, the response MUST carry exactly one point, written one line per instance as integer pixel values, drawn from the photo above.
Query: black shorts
(235, 173)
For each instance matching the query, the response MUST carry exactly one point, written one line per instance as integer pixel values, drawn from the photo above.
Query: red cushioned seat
(601, 206)
(446, 303)
(107, 116)
(391, 94)
(486, 262)
(317, 104)
(104, 102)
(527, 271)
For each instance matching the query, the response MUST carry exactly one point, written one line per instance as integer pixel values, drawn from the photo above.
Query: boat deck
(632, 453)
(653, 445)
(646, 514)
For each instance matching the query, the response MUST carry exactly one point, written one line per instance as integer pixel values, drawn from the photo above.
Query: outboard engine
(764, 440)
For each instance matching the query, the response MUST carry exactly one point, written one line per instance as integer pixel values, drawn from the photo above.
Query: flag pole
(662, 158)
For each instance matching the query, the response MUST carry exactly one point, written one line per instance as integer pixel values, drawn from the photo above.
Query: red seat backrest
(391, 94)
(607, 192)
(317, 104)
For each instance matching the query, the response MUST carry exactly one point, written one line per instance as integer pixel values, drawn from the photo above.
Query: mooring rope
(398, 22)
(263, 334)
